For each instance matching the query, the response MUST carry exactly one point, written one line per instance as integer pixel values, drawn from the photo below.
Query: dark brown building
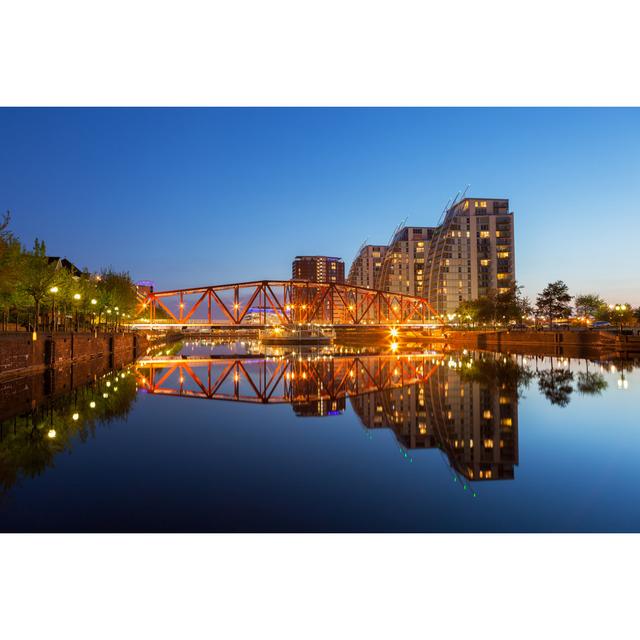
(318, 269)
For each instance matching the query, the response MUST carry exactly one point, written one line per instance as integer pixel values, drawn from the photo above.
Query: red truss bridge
(282, 380)
(266, 302)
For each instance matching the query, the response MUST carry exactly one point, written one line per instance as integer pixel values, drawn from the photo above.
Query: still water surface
(355, 442)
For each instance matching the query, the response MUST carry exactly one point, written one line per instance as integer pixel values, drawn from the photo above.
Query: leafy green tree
(116, 289)
(621, 314)
(495, 306)
(589, 305)
(554, 301)
(9, 267)
(37, 277)
(511, 304)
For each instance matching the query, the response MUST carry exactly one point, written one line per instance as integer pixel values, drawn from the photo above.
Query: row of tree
(36, 292)
(553, 303)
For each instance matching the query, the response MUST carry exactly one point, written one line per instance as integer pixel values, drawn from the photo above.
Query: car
(600, 324)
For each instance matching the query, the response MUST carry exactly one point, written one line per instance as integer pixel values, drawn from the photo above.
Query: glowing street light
(76, 298)
(53, 291)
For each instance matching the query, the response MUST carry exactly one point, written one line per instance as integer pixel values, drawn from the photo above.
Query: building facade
(470, 254)
(403, 266)
(365, 269)
(318, 269)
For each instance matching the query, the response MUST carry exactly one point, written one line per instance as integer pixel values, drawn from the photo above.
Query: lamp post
(53, 292)
(76, 300)
(619, 309)
(94, 302)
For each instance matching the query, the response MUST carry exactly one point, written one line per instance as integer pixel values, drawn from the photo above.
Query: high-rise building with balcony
(365, 269)
(403, 267)
(318, 269)
(471, 253)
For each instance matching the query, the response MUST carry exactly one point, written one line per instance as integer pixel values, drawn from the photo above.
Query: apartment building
(403, 266)
(366, 267)
(318, 269)
(470, 253)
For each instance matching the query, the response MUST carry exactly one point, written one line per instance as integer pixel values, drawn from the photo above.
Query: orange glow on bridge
(283, 302)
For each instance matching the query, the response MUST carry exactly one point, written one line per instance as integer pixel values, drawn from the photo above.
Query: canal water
(203, 437)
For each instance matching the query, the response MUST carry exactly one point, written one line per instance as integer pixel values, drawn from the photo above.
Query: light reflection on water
(513, 432)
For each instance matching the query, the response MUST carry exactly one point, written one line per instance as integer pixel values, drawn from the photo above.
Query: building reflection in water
(467, 407)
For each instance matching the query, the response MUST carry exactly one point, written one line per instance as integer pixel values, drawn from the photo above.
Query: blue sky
(190, 197)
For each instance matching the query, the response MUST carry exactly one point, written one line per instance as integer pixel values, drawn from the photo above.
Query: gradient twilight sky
(190, 197)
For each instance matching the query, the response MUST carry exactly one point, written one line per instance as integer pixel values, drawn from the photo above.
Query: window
(484, 234)
(484, 263)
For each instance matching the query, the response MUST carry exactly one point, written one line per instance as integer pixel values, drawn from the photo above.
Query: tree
(554, 301)
(589, 305)
(37, 277)
(9, 266)
(116, 294)
(481, 309)
(511, 304)
(620, 314)
(496, 306)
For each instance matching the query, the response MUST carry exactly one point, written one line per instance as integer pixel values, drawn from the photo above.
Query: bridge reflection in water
(467, 409)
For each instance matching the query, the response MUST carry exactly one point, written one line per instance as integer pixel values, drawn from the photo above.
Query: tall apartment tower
(318, 269)
(470, 253)
(365, 269)
(403, 267)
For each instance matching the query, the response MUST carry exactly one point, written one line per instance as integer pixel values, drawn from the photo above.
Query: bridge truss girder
(288, 302)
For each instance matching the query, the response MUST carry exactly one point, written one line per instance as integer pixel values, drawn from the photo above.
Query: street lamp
(53, 292)
(94, 302)
(619, 309)
(76, 300)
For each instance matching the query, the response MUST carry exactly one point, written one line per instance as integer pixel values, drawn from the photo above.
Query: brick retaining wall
(19, 353)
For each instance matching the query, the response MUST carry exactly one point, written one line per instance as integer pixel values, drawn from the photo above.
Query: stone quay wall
(20, 354)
